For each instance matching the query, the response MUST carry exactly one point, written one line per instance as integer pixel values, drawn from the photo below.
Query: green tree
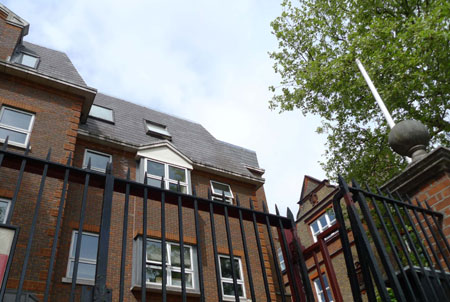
(403, 44)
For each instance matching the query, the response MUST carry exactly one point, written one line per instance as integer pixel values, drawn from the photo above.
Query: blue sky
(204, 60)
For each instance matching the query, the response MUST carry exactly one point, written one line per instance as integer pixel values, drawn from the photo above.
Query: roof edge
(88, 93)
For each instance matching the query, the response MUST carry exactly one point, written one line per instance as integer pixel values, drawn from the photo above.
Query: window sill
(14, 144)
(170, 289)
(79, 281)
(234, 299)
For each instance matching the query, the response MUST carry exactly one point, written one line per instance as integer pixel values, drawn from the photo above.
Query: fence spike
(89, 164)
(5, 143)
(49, 153)
(178, 186)
(194, 191)
(128, 173)
(223, 196)
(162, 186)
(209, 194)
(289, 214)
(238, 203)
(264, 206)
(276, 210)
(251, 204)
(145, 178)
(69, 159)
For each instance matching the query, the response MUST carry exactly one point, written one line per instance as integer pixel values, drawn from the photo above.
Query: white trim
(19, 59)
(281, 259)
(98, 153)
(321, 227)
(167, 180)
(228, 280)
(20, 130)
(218, 197)
(167, 144)
(325, 291)
(100, 118)
(81, 260)
(8, 206)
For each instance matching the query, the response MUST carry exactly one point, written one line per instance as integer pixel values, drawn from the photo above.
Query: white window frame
(21, 130)
(218, 197)
(281, 259)
(20, 60)
(318, 291)
(81, 260)
(8, 201)
(230, 280)
(322, 228)
(161, 130)
(100, 118)
(85, 159)
(169, 268)
(167, 180)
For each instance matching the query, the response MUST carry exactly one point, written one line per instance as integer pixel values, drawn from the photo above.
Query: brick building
(45, 104)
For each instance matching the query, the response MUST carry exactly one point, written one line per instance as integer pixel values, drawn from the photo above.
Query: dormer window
(102, 113)
(28, 60)
(157, 130)
(221, 190)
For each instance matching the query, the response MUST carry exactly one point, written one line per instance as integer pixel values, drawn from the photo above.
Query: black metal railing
(400, 244)
(115, 188)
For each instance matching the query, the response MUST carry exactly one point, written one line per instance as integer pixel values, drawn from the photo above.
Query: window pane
(155, 168)
(101, 112)
(16, 119)
(226, 268)
(318, 284)
(315, 227)
(29, 61)
(174, 187)
(331, 215)
(323, 221)
(220, 189)
(13, 136)
(176, 279)
(177, 174)
(154, 251)
(98, 161)
(85, 270)
(153, 275)
(3, 208)
(154, 182)
(158, 129)
(175, 256)
(228, 289)
(89, 244)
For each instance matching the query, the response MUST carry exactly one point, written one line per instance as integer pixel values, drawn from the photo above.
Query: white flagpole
(383, 108)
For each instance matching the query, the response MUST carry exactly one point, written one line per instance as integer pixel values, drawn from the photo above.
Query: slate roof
(190, 138)
(52, 63)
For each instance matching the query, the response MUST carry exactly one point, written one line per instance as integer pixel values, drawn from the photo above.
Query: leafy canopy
(404, 46)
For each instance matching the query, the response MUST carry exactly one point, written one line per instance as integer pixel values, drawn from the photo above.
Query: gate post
(299, 275)
(101, 293)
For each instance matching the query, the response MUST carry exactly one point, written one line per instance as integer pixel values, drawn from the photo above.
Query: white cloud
(203, 60)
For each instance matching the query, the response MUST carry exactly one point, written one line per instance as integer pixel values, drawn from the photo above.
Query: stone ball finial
(409, 138)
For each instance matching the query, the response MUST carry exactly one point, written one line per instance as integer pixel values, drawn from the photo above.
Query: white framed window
(322, 292)
(4, 209)
(172, 174)
(219, 190)
(16, 124)
(281, 259)
(27, 60)
(226, 277)
(173, 264)
(322, 223)
(99, 160)
(158, 129)
(102, 113)
(88, 256)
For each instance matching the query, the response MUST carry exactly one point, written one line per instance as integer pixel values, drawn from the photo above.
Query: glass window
(322, 223)
(4, 209)
(27, 60)
(88, 256)
(16, 124)
(173, 264)
(101, 113)
(226, 276)
(154, 128)
(99, 160)
(219, 190)
(158, 171)
(281, 259)
(319, 289)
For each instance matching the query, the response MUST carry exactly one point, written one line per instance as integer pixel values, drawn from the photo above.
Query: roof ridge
(148, 108)
(38, 45)
(235, 146)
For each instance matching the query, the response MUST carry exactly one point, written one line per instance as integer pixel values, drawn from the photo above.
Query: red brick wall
(9, 36)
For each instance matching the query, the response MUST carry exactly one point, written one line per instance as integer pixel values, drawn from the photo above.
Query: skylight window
(28, 60)
(102, 113)
(158, 129)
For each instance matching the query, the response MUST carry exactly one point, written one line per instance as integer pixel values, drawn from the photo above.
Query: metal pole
(383, 108)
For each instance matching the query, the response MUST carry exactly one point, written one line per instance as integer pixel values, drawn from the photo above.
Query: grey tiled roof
(53, 63)
(188, 137)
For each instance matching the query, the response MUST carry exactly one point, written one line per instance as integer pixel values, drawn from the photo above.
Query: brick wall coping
(87, 93)
(417, 174)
